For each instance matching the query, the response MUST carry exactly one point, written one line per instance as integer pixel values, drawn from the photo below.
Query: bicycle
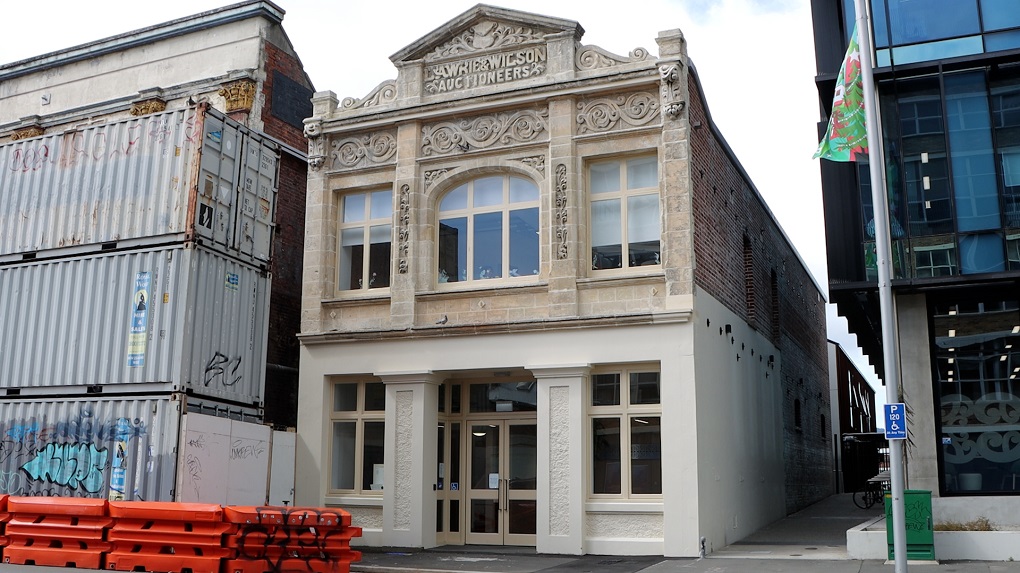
(872, 494)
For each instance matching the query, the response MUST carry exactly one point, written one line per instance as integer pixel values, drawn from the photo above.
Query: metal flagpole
(883, 246)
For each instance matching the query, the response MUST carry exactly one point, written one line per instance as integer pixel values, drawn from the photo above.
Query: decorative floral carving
(316, 144)
(384, 93)
(501, 129)
(536, 162)
(432, 176)
(403, 228)
(483, 36)
(374, 149)
(606, 114)
(27, 132)
(594, 57)
(239, 95)
(561, 201)
(148, 106)
(672, 93)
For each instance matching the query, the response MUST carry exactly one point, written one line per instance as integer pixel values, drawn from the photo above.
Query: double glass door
(499, 497)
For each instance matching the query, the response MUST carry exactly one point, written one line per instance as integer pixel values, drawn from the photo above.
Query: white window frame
(358, 416)
(621, 195)
(624, 412)
(365, 224)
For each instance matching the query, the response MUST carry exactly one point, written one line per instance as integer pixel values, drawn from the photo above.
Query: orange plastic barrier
(67, 532)
(4, 516)
(290, 540)
(167, 536)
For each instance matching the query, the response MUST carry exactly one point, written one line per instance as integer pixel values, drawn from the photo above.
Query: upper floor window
(625, 227)
(488, 229)
(365, 219)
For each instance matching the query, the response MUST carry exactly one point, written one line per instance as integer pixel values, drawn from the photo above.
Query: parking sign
(895, 421)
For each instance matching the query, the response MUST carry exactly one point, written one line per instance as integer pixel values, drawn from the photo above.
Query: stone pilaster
(411, 223)
(411, 458)
(318, 280)
(564, 212)
(560, 520)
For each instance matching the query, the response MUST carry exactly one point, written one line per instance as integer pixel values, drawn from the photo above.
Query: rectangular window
(625, 214)
(365, 219)
(626, 443)
(358, 437)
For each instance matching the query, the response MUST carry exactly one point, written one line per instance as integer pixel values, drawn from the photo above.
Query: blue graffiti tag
(21, 432)
(71, 465)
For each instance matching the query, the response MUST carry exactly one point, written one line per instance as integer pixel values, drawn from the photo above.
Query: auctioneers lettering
(485, 70)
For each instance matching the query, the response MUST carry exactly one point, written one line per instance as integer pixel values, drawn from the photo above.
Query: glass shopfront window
(977, 357)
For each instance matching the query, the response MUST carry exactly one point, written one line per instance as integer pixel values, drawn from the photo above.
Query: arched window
(488, 229)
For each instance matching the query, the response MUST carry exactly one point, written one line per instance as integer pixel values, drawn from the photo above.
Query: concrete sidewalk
(808, 541)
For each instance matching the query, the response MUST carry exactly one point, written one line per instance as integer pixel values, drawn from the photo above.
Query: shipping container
(189, 174)
(111, 448)
(164, 319)
(139, 447)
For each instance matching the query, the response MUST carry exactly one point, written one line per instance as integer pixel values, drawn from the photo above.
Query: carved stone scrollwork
(239, 95)
(316, 144)
(594, 57)
(145, 107)
(672, 89)
(384, 93)
(536, 162)
(483, 36)
(403, 228)
(499, 130)
(432, 176)
(561, 200)
(375, 149)
(27, 132)
(610, 113)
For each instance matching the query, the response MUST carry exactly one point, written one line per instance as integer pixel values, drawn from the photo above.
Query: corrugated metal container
(181, 175)
(178, 318)
(111, 448)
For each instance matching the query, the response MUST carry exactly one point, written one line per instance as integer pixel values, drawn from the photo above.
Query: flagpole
(883, 247)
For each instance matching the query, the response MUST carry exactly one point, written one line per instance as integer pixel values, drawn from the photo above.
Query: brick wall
(727, 211)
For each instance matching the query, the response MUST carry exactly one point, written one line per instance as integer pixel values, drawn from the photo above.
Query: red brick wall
(726, 208)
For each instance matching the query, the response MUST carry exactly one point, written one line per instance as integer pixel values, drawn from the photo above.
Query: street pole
(883, 246)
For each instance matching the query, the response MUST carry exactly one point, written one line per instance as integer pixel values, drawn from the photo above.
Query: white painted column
(561, 468)
(409, 501)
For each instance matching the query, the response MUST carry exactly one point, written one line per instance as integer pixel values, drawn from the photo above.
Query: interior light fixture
(952, 312)
(640, 421)
(950, 378)
(1003, 357)
(478, 434)
(951, 360)
(952, 332)
(950, 372)
(1016, 329)
(1008, 346)
(952, 350)
(1017, 369)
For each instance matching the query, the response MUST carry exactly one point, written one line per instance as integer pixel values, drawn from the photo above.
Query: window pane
(605, 390)
(911, 21)
(454, 458)
(382, 205)
(372, 459)
(645, 455)
(644, 388)
(488, 191)
(488, 246)
(375, 397)
(454, 200)
(506, 397)
(345, 397)
(642, 173)
(999, 14)
(522, 190)
(379, 256)
(523, 456)
(606, 233)
(969, 126)
(981, 254)
(354, 208)
(484, 455)
(453, 250)
(604, 177)
(352, 253)
(342, 473)
(605, 448)
(643, 229)
(524, 242)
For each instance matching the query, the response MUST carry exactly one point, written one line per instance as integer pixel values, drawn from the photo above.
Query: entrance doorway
(488, 463)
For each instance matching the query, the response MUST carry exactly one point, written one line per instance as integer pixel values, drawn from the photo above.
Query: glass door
(500, 493)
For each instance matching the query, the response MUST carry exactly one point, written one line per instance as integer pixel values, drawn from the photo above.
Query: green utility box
(919, 525)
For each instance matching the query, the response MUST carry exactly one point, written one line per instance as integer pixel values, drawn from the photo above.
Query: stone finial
(239, 95)
(671, 43)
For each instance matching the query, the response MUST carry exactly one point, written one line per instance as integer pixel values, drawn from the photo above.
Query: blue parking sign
(895, 421)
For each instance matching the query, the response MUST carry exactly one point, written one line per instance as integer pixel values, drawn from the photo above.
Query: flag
(846, 138)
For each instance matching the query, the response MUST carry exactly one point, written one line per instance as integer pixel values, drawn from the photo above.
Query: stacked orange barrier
(290, 539)
(54, 531)
(4, 516)
(167, 536)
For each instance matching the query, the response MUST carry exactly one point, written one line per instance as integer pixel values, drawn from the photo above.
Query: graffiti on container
(30, 158)
(222, 370)
(195, 471)
(198, 442)
(239, 450)
(87, 428)
(11, 482)
(191, 127)
(72, 465)
(19, 433)
(312, 536)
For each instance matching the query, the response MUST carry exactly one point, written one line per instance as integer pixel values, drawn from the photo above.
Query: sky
(755, 59)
